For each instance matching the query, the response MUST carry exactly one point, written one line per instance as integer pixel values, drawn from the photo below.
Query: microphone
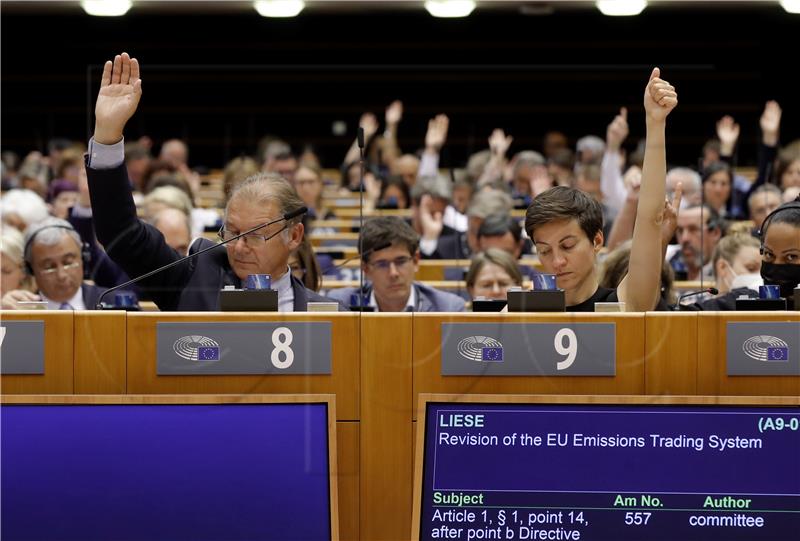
(285, 218)
(360, 138)
(712, 290)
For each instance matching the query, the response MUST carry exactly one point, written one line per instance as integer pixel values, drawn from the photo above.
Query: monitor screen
(166, 471)
(622, 472)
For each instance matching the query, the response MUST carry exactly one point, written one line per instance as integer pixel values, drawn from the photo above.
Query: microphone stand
(361, 143)
(286, 217)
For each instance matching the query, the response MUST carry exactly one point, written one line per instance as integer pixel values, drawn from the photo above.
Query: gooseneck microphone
(361, 144)
(712, 290)
(285, 218)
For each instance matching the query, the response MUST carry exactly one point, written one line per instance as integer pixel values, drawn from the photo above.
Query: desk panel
(100, 349)
(712, 370)
(343, 381)
(671, 353)
(630, 349)
(58, 354)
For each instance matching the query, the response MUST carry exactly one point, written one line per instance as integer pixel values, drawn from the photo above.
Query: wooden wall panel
(671, 353)
(386, 452)
(100, 349)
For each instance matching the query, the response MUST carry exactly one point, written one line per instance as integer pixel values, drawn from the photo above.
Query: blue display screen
(171, 472)
(596, 472)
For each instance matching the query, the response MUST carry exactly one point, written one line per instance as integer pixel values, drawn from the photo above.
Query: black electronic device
(488, 305)
(761, 304)
(539, 300)
(248, 300)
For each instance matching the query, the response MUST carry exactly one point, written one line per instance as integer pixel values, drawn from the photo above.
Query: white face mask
(750, 281)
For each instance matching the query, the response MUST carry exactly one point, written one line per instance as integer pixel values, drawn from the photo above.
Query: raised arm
(640, 288)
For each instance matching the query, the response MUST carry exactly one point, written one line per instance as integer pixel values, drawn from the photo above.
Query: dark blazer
(91, 294)
(428, 299)
(137, 247)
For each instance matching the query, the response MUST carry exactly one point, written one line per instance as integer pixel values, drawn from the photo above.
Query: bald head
(175, 152)
(176, 228)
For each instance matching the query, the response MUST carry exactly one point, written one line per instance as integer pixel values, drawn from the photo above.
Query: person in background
(236, 171)
(737, 263)
(62, 195)
(699, 229)
(502, 232)
(491, 274)
(761, 202)
(12, 244)
(21, 208)
(308, 183)
(615, 267)
(305, 267)
(390, 272)
(176, 228)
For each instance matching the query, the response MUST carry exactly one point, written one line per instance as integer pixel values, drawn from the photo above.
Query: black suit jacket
(191, 285)
(91, 294)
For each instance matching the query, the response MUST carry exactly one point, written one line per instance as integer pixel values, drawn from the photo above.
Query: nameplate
(22, 347)
(243, 348)
(528, 349)
(764, 348)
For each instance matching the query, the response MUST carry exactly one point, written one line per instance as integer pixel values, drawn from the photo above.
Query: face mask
(784, 275)
(749, 280)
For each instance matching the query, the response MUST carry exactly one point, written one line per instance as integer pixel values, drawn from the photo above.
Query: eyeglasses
(252, 240)
(66, 267)
(384, 265)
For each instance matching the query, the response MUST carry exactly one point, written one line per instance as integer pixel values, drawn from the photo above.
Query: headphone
(763, 229)
(86, 250)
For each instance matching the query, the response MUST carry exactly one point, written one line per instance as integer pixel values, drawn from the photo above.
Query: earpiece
(763, 229)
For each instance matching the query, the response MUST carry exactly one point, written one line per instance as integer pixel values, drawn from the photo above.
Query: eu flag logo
(777, 354)
(208, 353)
(492, 354)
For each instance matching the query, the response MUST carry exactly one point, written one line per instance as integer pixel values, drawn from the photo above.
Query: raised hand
(499, 142)
(394, 113)
(432, 222)
(120, 92)
(770, 123)
(617, 131)
(659, 97)
(370, 125)
(437, 133)
(728, 134)
(633, 181)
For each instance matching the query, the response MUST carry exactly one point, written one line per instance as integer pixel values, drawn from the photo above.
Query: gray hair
(527, 158)
(689, 177)
(488, 202)
(49, 232)
(592, 143)
(26, 204)
(269, 187)
(12, 244)
(170, 196)
(435, 186)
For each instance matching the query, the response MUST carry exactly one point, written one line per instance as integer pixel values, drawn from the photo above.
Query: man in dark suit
(391, 270)
(139, 248)
(53, 254)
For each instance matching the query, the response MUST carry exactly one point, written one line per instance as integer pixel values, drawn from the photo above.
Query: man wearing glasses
(194, 284)
(391, 270)
(53, 255)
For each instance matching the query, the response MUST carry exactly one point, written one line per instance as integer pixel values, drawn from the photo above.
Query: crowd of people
(611, 225)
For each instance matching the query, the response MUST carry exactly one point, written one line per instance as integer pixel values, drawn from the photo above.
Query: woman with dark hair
(394, 193)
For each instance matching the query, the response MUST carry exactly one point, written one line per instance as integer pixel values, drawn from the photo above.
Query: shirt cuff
(106, 156)
(428, 246)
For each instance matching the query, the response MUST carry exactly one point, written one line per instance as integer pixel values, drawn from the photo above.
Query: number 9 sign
(570, 350)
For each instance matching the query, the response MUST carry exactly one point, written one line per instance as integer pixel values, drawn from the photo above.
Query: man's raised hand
(770, 123)
(120, 91)
(617, 131)
(659, 97)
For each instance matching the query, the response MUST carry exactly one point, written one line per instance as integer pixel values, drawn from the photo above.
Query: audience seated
(491, 274)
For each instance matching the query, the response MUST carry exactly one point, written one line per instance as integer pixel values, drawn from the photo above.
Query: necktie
(65, 306)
